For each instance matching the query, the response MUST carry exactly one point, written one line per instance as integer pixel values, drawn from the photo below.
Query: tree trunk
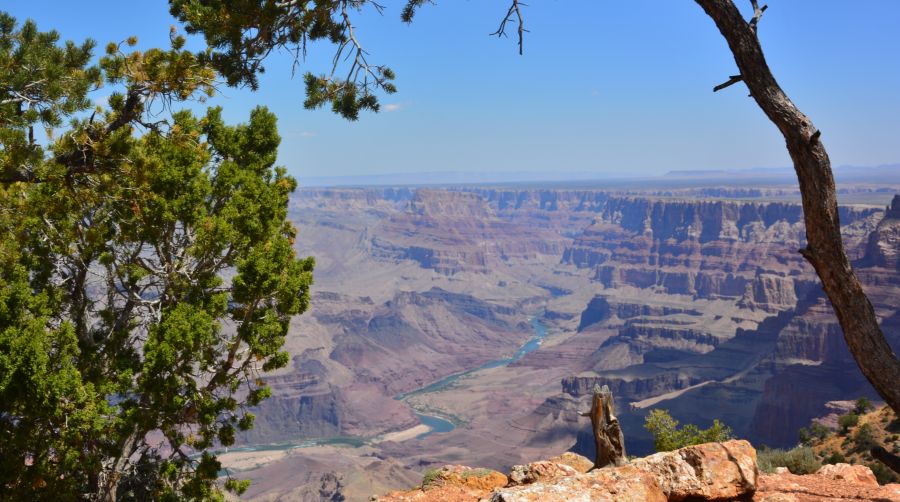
(608, 437)
(825, 249)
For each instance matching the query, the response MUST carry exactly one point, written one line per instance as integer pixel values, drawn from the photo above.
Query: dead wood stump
(608, 435)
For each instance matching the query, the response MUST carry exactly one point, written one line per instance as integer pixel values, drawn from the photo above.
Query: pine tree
(147, 272)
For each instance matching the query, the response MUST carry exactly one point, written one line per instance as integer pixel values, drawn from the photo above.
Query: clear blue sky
(608, 87)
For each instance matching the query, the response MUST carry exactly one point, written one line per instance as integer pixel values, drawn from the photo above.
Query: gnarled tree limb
(825, 250)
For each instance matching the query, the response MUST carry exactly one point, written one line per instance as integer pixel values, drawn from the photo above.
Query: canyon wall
(672, 301)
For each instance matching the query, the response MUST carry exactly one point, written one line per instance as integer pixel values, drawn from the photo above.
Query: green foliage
(815, 433)
(667, 436)
(801, 460)
(476, 473)
(864, 439)
(835, 458)
(147, 273)
(862, 405)
(241, 34)
(845, 422)
(430, 476)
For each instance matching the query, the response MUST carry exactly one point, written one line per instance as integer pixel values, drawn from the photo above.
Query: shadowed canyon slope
(673, 301)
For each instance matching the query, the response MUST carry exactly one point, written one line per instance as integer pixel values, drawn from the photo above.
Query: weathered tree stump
(608, 435)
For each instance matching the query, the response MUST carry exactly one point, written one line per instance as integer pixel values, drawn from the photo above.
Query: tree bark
(825, 249)
(608, 437)
(887, 458)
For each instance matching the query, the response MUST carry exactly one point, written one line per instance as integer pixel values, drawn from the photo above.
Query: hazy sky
(608, 87)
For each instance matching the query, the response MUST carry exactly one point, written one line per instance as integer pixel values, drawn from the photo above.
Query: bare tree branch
(514, 9)
(757, 13)
(731, 81)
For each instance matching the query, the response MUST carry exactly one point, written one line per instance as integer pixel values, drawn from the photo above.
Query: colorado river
(436, 424)
(439, 424)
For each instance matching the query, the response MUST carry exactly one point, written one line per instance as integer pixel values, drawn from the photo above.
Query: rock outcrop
(707, 472)
(713, 471)
(450, 483)
(883, 248)
(837, 483)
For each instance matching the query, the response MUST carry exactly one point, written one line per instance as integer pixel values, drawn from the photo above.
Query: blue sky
(612, 88)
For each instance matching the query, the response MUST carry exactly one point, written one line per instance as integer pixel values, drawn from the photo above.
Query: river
(439, 424)
(436, 424)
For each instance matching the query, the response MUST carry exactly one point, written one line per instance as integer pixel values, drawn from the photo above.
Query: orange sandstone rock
(578, 462)
(856, 474)
(712, 471)
(821, 488)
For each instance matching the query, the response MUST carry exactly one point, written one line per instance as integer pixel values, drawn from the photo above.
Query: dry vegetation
(851, 443)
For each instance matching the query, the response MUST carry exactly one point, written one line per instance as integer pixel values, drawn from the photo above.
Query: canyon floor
(467, 325)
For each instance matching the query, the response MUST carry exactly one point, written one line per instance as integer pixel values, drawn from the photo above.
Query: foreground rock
(833, 483)
(451, 483)
(712, 471)
(567, 464)
(707, 472)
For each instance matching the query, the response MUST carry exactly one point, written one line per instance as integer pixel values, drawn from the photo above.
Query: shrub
(476, 473)
(862, 405)
(667, 436)
(847, 421)
(835, 458)
(864, 439)
(816, 432)
(819, 431)
(801, 460)
(430, 477)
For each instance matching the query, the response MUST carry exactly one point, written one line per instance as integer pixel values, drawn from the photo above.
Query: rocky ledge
(706, 472)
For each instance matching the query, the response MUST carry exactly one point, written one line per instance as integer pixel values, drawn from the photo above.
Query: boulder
(853, 485)
(450, 483)
(856, 474)
(465, 477)
(578, 462)
(712, 471)
(542, 470)
(622, 484)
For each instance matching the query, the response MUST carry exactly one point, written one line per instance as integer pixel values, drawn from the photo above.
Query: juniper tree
(147, 272)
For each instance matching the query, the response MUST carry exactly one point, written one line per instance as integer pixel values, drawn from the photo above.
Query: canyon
(413, 353)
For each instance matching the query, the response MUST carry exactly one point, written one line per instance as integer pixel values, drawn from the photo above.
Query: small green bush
(819, 431)
(847, 421)
(667, 436)
(430, 477)
(801, 460)
(476, 473)
(864, 439)
(862, 405)
(835, 458)
(815, 433)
